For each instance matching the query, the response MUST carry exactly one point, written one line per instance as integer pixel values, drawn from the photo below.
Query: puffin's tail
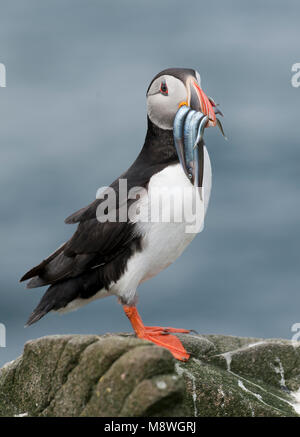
(36, 273)
(59, 295)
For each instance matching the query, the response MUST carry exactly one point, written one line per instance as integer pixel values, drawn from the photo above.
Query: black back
(97, 253)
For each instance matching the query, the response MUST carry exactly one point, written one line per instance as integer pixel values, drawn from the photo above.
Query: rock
(120, 375)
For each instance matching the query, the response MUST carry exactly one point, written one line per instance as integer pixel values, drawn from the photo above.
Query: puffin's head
(177, 103)
(172, 88)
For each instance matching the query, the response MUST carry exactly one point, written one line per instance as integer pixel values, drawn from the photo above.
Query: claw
(166, 340)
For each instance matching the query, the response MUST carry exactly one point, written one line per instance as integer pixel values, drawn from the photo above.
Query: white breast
(163, 242)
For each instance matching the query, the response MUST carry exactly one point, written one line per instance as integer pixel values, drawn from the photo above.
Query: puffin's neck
(159, 145)
(157, 153)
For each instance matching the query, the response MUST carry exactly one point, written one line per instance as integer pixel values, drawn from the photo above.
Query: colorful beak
(198, 100)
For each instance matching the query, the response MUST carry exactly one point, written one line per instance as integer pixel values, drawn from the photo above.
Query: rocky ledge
(120, 375)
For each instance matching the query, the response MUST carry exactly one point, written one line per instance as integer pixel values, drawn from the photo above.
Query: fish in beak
(192, 117)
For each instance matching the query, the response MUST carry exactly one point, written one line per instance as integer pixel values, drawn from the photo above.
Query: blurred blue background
(73, 117)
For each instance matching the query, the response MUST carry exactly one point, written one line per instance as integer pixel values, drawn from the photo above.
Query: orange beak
(199, 101)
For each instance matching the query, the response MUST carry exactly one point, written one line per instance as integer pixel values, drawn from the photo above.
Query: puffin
(117, 245)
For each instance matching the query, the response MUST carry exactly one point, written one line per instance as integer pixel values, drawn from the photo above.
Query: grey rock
(120, 375)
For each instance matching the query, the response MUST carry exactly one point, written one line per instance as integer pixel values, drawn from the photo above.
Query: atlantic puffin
(113, 257)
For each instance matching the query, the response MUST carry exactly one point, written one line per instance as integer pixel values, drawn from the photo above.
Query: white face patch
(162, 107)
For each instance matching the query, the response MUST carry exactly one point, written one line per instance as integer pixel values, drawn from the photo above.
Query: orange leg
(158, 335)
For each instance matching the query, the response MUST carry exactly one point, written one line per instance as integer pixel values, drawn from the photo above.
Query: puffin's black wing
(93, 244)
(90, 261)
(94, 257)
(97, 254)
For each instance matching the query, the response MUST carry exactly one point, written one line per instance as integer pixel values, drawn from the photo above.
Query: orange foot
(158, 335)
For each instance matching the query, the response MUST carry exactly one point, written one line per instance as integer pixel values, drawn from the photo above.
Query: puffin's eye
(164, 88)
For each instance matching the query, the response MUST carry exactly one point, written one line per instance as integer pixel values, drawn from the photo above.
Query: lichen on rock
(120, 375)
